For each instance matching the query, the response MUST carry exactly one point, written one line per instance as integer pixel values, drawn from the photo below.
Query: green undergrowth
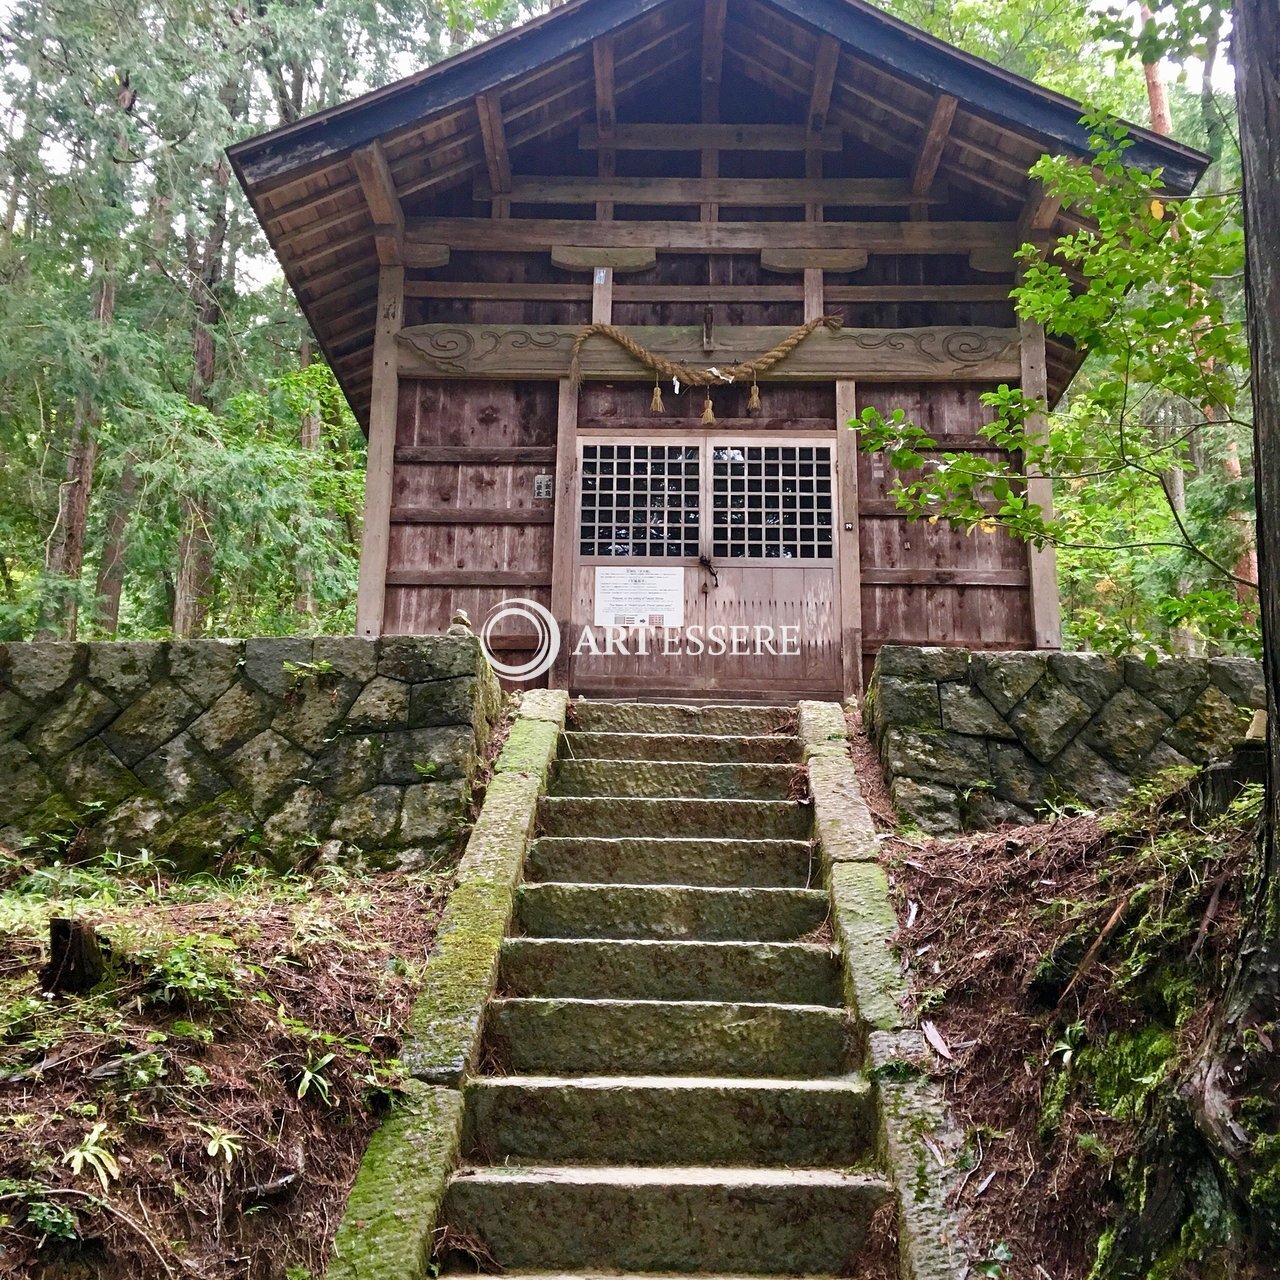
(202, 1109)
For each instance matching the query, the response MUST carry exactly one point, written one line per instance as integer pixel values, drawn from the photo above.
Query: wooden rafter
(935, 138)
(494, 136)
(602, 57)
(1038, 214)
(380, 195)
(824, 78)
(602, 61)
(713, 20)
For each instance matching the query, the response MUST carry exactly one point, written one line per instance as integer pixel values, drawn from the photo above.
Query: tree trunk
(195, 548)
(1233, 1089)
(76, 960)
(64, 556)
(1157, 94)
(111, 569)
(1257, 49)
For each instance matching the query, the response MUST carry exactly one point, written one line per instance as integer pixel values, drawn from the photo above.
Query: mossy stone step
(669, 1120)
(552, 910)
(788, 972)
(656, 1037)
(654, 860)
(586, 716)
(756, 749)
(612, 816)
(655, 778)
(789, 1222)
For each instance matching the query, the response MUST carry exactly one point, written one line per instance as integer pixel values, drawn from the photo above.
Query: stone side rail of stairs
(917, 1142)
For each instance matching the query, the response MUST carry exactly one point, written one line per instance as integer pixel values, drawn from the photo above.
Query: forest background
(175, 460)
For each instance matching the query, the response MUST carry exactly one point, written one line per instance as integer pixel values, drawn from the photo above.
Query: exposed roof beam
(714, 13)
(773, 192)
(723, 137)
(380, 195)
(902, 51)
(540, 234)
(1039, 213)
(495, 142)
(606, 109)
(824, 77)
(713, 19)
(935, 138)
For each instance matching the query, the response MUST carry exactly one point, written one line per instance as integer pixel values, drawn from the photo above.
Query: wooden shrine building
(707, 176)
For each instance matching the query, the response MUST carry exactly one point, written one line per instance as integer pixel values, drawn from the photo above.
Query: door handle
(705, 562)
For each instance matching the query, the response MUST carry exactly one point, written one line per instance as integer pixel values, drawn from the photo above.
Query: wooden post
(384, 402)
(819, 104)
(602, 295)
(564, 532)
(713, 20)
(606, 164)
(1046, 619)
(847, 538)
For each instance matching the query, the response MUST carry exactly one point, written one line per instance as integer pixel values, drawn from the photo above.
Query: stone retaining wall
(197, 750)
(971, 740)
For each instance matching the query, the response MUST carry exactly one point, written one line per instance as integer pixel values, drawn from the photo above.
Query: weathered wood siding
(466, 457)
(926, 582)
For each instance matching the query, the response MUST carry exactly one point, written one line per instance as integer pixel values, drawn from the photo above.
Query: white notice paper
(639, 596)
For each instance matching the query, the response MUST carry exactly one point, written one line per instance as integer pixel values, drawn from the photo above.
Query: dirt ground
(203, 1111)
(1050, 962)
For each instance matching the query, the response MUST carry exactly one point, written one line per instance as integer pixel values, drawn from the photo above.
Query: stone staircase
(667, 1082)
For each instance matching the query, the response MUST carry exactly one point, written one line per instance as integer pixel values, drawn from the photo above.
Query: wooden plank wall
(466, 529)
(925, 583)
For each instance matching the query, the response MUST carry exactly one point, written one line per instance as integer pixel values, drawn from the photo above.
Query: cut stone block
(638, 969)
(673, 778)
(669, 1120)
(574, 1037)
(156, 717)
(80, 714)
(1048, 718)
(759, 819)
(669, 911)
(1007, 678)
(923, 662)
(776, 1221)
(638, 717)
(1126, 729)
(655, 860)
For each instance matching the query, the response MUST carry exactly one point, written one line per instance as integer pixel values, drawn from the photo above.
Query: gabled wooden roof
(891, 86)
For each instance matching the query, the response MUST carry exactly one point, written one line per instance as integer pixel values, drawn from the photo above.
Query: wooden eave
(433, 133)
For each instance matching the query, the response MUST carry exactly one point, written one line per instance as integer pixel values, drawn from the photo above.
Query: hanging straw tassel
(753, 402)
(708, 413)
(656, 405)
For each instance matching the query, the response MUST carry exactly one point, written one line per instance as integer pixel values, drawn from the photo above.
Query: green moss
(1053, 1102)
(529, 747)
(1125, 1068)
(1264, 1193)
(386, 1232)
(443, 1035)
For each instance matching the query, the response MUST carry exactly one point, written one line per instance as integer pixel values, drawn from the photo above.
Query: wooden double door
(707, 566)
